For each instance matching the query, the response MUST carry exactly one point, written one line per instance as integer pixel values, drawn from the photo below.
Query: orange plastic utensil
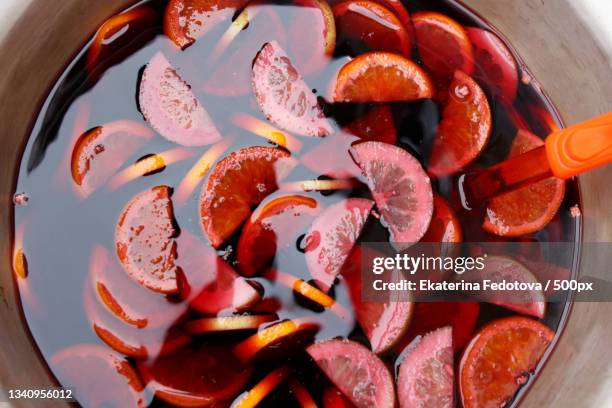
(566, 153)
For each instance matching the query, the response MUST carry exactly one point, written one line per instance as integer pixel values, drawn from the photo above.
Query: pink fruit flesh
(400, 187)
(332, 236)
(361, 376)
(283, 96)
(426, 375)
(169, 105)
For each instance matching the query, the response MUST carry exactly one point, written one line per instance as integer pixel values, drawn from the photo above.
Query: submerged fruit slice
(527, 209)
(227, 323)
(169, 105)
(276, 340)
(332, 236)
(372, 24)
(301, 394)
(397, 7)
(283, 96)
(356, 371)
(202, 375)
(464, 129)
(187, 20)
(237, 183)
(91, 371)
(495, 64)
(144, 238)
(443, 45)
(381, 77)
(273, 224)
(101, 151)
(333, 398)
(426, 374)
(499, 359)
(444, 225)
(376, 125)
(256, 394)
(400, 187)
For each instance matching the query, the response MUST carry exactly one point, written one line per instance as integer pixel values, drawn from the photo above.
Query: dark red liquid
(57, 230)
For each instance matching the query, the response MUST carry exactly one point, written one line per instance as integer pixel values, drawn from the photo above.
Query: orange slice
(444, 225)
(228, 323)
(256, 394)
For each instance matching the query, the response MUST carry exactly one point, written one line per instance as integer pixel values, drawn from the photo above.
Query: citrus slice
(264, 387)
(202, 375)
(426, 375)
(495, 64)
(301, 394)
(332, 236)
(227, 323)
(465, 127)
(400, 187)
(529, 208)
(91, 371)
(333, 398)
(381, 77)
(144, 238)
(276, 340)
(127, 300)
(237, 183)
(499, 359)
(356, 371)
(383, 322)
(274, 223)
(376, 125)
(444, 225)
(170, 107)
(101, 151)
(187, 20)
(371, 24)
(443, 45)
(397, 7)
(283, 96)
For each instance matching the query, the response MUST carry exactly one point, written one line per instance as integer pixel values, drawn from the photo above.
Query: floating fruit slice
(400, 11)
(332, 236)
(383, 322)
(356, 371)
(499, 359)
(91, 371)
(100, 152)
(169, 105)
(277, 339)
(464, 129)
(333, 398)
(371, 24)
(376, 125)
(429, 316)
(144, 237)
(495, 64)
(400, 187)
(187, 20)
(256, 394)
(527, 209)
(202, 375)
(426, 374)
(381, 77)
(127, 300)
(237, 183)
(283, 96)
(273, 224)
(444, 225)
(227, 323)
(443, 45)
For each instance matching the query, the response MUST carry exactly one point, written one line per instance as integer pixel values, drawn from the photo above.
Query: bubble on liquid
(461, 92)
(575, 211)
(21, 199)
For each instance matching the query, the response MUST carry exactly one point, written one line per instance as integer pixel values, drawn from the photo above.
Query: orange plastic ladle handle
(580, 147)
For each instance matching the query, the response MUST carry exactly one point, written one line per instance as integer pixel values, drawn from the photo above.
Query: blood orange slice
(332, 236)
(376, 124)
(100, 152)
(144, 238)
(283, 96)
(495, 64)
(443, 45)
(227, 323)
(381, 77)
(91, 371)
(426, 374)
(372, 24)
(169, 105)
(356, 371)
(400, 187)
(202, 375)
(527, 209)
(273, 224)
(499, 359)
(444, 225)
(464, 129)
(187, 20)
(237, 183)
(400, 11)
